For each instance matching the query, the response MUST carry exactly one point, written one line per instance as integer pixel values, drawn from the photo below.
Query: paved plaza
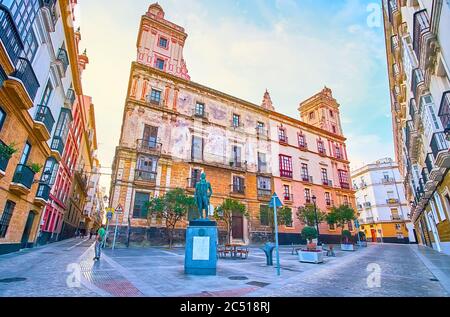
(67, 269)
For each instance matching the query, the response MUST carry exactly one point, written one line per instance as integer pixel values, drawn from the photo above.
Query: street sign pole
(115, 230)
(118, 211)
(276, 234)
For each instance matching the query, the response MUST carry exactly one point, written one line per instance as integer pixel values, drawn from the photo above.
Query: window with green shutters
(264, 215)
(139, 210)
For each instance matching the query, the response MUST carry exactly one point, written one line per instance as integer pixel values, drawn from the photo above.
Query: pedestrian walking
(91, 233)
(101, 233)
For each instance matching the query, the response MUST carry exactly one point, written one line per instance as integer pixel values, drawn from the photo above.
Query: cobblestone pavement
(160, 272)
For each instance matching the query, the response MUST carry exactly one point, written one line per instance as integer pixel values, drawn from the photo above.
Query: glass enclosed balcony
(9, 35)
(44, 115)
(43, 192)
(24, 72)
(421, 27)
(444, 111)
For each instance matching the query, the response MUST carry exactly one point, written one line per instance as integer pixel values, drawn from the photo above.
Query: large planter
(347, 247)
(310, 256)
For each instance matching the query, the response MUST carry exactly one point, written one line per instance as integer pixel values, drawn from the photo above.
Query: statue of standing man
(203, 192)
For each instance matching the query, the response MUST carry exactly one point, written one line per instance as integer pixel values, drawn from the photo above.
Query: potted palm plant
(311, 254)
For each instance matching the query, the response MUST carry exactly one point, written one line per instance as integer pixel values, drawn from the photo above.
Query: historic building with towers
(174, 129)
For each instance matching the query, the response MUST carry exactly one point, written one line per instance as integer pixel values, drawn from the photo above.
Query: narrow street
(54, 270)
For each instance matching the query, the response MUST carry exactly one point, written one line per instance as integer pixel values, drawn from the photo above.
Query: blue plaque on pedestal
(201, 248)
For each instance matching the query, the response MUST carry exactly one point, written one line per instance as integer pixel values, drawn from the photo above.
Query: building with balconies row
(418, 55)
(36, 79)
(383, 211)
(175, 129)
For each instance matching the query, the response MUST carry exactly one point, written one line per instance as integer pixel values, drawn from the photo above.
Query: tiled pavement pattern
(160, 272)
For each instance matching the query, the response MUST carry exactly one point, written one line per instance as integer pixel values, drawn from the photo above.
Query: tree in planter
(340, 216)
(346, 236)
(284, 217)
(307, 216)
(172, 208)
(310, 233)
(225, 211)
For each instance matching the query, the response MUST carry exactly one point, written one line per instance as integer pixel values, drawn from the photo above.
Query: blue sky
(241, 47)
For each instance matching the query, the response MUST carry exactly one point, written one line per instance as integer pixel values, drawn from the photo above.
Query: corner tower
(160, 43)
(322, 111)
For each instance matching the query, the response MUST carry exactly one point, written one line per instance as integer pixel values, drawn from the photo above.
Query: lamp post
(317, 218)
(314, 199)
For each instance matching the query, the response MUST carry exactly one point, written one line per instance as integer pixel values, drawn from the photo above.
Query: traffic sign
(119, 209)
(109, 215)
(277, 200)
(356, 223)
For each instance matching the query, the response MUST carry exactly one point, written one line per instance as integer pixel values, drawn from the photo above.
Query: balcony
(345, 185)
(237, 125)
(264, 193)
(413, 109)
(302, 145)
(322, 151)
(424, 41)
(283, 139)
(154, 101)
(307, 178)
(42, 195)
(152, 147)
(444, 112)
(57, 147)
(70, 98)
(262, 133)
(24, 72)
(145, 176)
(82, 180)
(424, 174)
(48, 7)
(22, 180)
(429, 162)
(359, 206)
(286, 174)
(9, 35)
(439, 148)
(238, 189)
(43, 123)
(327, 182)
(288, 198)
(329, 203)
(396, 218)
(197, 113)
(393, 12)
(63, 61)
(367, 205)
(392, 201)
(417, 83)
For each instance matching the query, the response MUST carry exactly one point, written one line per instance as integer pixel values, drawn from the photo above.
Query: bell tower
(322, 111)
(160, 43)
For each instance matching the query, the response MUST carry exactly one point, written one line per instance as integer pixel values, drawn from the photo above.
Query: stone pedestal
(201, 248)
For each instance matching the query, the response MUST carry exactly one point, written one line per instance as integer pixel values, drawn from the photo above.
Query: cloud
(292, 48)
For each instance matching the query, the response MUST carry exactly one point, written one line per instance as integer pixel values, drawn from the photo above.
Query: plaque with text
(200, 249)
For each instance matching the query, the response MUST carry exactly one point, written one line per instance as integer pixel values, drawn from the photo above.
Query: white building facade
(383, 211)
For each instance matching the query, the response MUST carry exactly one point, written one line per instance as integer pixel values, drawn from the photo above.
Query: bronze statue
(203, 192)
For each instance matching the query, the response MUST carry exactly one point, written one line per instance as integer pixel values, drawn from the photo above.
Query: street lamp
(314, 199)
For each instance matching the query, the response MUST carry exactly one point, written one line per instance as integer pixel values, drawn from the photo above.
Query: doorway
(27, 230)
(237, 229)
(374, 235)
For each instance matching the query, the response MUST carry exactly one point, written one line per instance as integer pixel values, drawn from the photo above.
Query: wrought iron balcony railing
(43, 191)
(149, 146)
(396, 217)
(261, 132)
(345, 185)
(444, 111)
(262, 192)
(425, 175)
(438, 144)
(327, 182)
(24, 72)
(288, 197)
(307, 178)
(283, 139)
(145, 176)
(367, 204)
(392, 201)
(237, 189)
(286, 173)
(24, 175)
(421, 27)
(44, 115)
(199, 113)
(392, 8)
(9, 35)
